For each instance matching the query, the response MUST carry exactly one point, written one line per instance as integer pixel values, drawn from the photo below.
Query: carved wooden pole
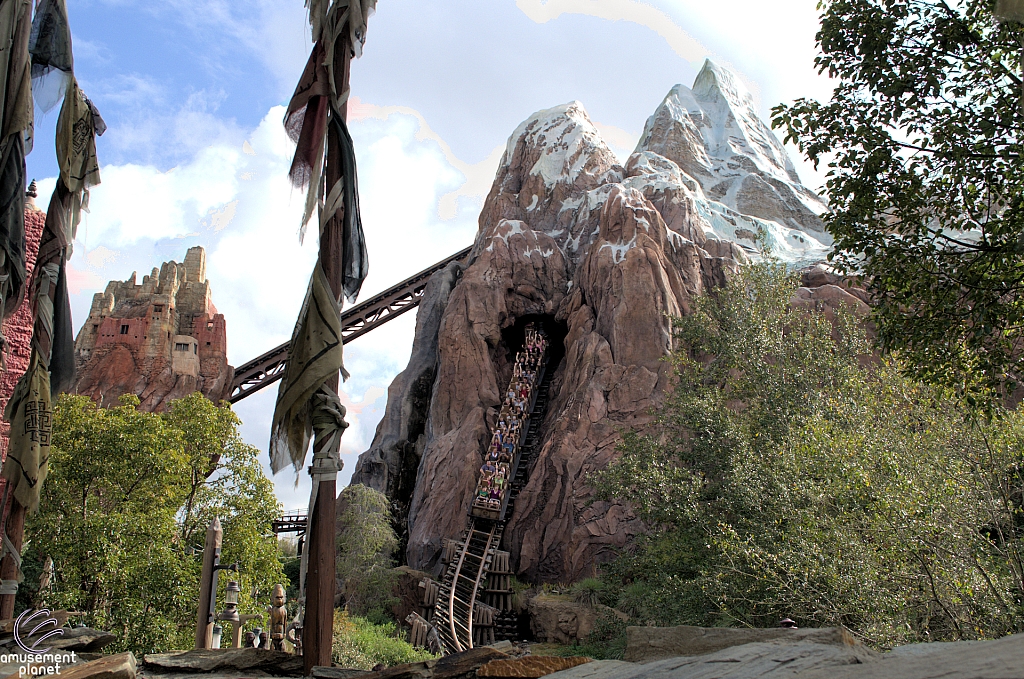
(320, 574)
(207, 597)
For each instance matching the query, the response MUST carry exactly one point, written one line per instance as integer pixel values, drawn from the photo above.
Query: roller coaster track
(465, 578)
(268, 368)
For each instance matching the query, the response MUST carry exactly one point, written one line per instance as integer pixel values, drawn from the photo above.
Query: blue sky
(195, 153)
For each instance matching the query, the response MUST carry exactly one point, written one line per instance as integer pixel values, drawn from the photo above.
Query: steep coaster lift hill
(473, 603)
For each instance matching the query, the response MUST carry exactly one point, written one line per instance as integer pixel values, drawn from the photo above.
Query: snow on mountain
(712, 132)
(708, 164)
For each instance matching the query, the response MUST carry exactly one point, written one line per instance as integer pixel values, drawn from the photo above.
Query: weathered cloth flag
(53, 62)
(16, 112)
(314, 356)
(30, 412)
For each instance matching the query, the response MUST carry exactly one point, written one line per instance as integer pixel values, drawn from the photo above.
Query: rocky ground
(682, 652)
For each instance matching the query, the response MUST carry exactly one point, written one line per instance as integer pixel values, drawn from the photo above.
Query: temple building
(161, 339)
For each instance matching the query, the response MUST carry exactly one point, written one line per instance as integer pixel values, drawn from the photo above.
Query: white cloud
(257, 268)
(478, 176)
(681, 42)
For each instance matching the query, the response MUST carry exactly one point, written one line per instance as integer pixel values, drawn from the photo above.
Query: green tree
(925, 181)
(366, 546)
(795, 475)
(125, 509)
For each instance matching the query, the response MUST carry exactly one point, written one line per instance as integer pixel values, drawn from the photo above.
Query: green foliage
(519, 594)
(796, 476)
(361, 644)
(591, 592)
(125, 508)
(366, 547)
(925, 181)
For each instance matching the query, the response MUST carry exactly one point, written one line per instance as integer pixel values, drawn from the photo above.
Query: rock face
(161, 340)
(601, 254)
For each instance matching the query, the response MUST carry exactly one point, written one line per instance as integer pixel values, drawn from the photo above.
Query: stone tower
(161, 340)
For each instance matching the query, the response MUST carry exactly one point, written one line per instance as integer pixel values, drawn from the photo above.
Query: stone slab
(276, 663)
(320, 672)
(768, 660)
(529, 667)
(457, 666)
(120, 666)
(646, 644)
(999, 659)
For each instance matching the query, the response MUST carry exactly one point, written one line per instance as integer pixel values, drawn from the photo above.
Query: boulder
(408, 592)
(646, 644)
(805, 659)
(120, 666)
(82, 639)
(555, 620)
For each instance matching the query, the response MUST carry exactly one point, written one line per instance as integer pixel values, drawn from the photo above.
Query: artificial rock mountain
(606, 253)
(161, 340)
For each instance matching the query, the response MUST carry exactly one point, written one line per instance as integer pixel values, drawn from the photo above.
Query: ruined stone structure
(161, 340)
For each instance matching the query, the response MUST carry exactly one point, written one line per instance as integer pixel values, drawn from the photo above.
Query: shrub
(591, 591)
(794, 475)
(366, 547)
(361, 644)
(124, 513)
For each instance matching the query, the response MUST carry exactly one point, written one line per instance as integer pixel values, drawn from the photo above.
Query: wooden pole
(211, 554)
(320, 573)
(15, 529)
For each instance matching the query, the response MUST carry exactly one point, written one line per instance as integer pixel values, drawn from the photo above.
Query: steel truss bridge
(268, 368)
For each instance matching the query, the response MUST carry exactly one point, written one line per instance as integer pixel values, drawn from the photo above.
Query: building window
(124, 329)
(157, 308)
(195, 348)
(209, 325)
(180, 346)
(207, 344)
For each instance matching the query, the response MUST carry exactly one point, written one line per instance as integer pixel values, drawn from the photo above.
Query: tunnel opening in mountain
(512, 339)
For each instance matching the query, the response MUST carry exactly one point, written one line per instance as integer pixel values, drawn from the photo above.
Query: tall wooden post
(207, 597)
(318, 625)
(15, 529)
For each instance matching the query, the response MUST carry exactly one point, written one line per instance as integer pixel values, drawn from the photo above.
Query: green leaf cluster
(922, 139)
(125, 509)
(795, 474)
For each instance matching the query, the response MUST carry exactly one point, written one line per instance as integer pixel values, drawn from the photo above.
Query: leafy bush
(361, 644)
(795, 475)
